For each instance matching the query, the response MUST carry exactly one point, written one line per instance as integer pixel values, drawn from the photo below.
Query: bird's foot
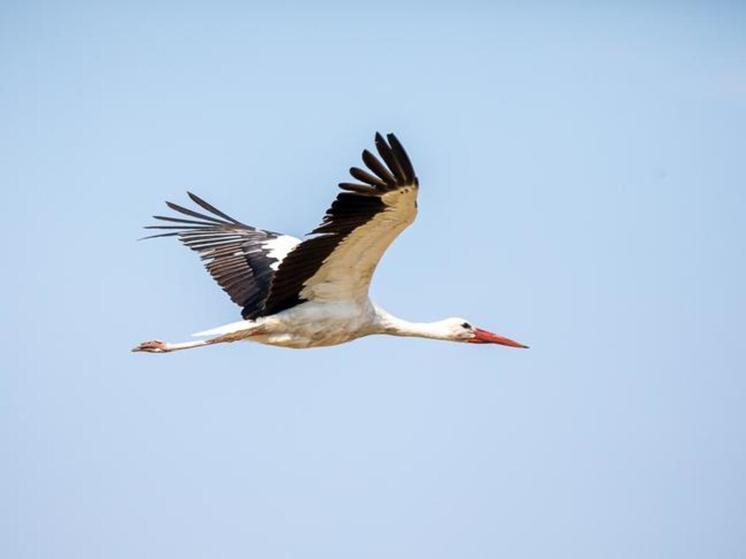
(153, 346)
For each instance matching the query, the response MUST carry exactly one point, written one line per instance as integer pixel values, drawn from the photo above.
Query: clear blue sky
(583, 190)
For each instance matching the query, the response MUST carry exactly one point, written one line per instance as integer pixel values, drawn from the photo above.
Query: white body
(316, 324)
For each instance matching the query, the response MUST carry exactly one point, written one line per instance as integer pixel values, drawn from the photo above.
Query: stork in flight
(313, 292)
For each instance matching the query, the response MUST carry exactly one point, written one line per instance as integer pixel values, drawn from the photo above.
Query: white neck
(389, 324)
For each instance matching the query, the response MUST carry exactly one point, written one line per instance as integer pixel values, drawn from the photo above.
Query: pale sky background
(583, 191)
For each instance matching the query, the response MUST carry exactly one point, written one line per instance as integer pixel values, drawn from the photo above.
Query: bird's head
(461, 330)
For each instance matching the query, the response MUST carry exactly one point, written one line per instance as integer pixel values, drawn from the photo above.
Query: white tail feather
(227, 328)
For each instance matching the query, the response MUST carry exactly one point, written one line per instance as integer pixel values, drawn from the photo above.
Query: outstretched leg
(158, 346)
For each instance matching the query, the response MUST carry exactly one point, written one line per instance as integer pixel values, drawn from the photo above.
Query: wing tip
(396, 159)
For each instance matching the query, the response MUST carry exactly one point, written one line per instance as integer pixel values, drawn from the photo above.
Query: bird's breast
(318, 325)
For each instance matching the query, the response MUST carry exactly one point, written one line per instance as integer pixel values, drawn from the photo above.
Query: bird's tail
(227, 328)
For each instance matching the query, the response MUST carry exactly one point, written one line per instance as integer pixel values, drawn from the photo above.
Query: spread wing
(241, 258)
(337, 260)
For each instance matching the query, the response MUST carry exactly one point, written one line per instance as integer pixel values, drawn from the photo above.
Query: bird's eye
(466, 325)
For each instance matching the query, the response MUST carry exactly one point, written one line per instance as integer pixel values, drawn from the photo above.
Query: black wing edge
(394, 172)
(218, 221)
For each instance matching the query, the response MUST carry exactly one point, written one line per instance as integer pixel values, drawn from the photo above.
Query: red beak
(485, 337)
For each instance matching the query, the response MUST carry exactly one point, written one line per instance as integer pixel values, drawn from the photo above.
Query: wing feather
(337, 260)
(241, 259)
(266, 272)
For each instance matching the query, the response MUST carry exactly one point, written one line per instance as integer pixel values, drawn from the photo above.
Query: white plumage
(279, 248)
(313, 292)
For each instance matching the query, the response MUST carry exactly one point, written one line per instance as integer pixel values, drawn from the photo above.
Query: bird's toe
(152, 346)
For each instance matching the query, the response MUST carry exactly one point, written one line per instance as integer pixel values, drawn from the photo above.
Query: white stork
(314, 292)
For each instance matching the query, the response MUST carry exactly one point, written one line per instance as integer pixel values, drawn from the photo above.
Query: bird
(312, 292)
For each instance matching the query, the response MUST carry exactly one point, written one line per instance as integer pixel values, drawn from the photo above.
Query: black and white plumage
(313, 292)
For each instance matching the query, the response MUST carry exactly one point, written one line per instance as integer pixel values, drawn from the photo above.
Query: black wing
(241, 258)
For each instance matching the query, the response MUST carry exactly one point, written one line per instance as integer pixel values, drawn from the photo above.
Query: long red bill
(486, 337)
